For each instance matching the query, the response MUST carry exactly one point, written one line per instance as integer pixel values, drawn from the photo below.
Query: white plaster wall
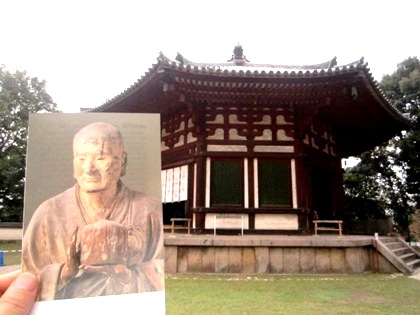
(233, 135)
(267, 135)
(266, 120)
(191, 138)
(276, 222)
(226, 220)
(226, 148)
(218, 135)
(274, 148)
(281, 121)
(180, 142)
(217, 120)
(281, 135)
(233, 119)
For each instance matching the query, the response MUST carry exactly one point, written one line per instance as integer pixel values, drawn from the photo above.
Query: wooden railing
(338, 223)
(173, 227)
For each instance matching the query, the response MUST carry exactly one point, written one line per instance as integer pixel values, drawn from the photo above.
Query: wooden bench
(228, 216)
(173, 220)
(339, 227)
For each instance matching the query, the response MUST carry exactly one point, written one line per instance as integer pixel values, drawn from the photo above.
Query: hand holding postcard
(99, 236)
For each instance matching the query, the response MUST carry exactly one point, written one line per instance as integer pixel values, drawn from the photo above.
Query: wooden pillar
(338, 193)
(191, 191)
(200, 167)
(251, 189)
(302, 184)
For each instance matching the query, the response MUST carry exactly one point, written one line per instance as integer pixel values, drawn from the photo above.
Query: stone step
(407, 257)
(414, 263)
(400, 255)
(401, 251)
(386, 240)
(395, 245)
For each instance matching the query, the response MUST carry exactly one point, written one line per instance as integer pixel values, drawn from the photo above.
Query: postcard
(93, 229)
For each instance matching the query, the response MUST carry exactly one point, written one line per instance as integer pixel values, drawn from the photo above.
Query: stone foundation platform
(265, 254)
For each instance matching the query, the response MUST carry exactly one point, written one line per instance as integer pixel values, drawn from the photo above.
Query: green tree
(403, 89)
(20, 95)
(386, 180)
(363, 182)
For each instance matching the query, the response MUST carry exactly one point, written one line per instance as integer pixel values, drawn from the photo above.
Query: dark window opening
(227, 183)
(173, 210)
(274, 183)
(322, 193)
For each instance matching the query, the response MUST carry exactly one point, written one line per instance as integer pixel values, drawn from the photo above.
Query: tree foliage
(386, 180)
(363, 182)
(20, 95)
(403, 89)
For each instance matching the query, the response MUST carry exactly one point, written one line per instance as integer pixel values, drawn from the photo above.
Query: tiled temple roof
(237, 81)
(241, 67)
(232, 68)
(247, 70)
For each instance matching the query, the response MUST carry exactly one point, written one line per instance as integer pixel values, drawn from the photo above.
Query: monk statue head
(99, 159)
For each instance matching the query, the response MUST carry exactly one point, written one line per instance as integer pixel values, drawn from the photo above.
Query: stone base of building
(264, 254)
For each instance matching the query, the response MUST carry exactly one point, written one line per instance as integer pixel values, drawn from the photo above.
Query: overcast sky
(91, 51)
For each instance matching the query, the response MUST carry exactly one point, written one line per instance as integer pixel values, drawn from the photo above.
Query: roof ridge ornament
(332, 63)
(238, 56)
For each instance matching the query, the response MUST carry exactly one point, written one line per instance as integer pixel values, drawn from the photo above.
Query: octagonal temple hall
(258, 146)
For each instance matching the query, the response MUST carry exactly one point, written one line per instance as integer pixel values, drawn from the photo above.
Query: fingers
(7, 279)
(20, 296)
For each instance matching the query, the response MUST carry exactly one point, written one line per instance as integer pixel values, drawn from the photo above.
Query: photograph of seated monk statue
(98, 237)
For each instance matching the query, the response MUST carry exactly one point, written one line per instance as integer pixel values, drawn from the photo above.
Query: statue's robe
(47, 238)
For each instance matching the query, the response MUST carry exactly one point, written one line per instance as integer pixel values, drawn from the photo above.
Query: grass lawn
(292, 294)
